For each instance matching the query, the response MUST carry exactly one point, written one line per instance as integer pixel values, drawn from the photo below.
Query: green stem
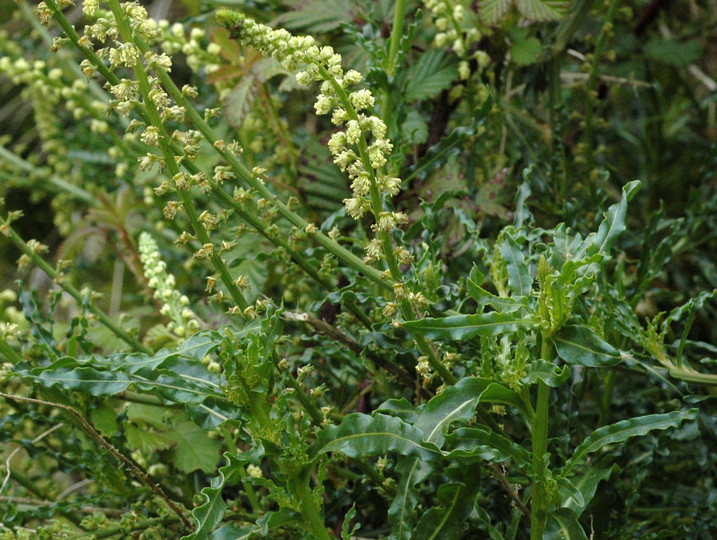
(387, 247)
(313, 522)
(540, 448)
(171, 164)
(72, 291)
(399, 15)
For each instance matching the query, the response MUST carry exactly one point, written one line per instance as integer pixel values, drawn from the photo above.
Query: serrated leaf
(518, 272)
(237, 103)
(542, 10)
(621, 431)
(86, 379)
(316, 16)
(493, 11)
(580, 345)
(673, 52)
(459, 327)
(432, 73)
(414, 129)
(524, 52)
(104, 418)
(146, 440)
(193, 448)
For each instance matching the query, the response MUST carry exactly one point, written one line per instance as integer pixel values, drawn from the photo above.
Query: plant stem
(399, 14)
(606, 400)
(313, 521)
(171, 164)
(540, 448)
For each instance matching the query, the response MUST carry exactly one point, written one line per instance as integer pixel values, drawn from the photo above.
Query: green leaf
(210, 513)
(621, 431)
(237, 103)
(432, 73)
(193, 448)
(673, 52)
(87, 379)
(542, 10)
(104, 418)
(316, 16)
(492, 11)
(518, 273)
(414, 129)
(361, 435)
(482, 442)
(526, 51)
(586, 482)
(562, 524)
(580, 345)
(610, 228)
(146, 440)
(460, 327)
(547, 372)
(446, 521)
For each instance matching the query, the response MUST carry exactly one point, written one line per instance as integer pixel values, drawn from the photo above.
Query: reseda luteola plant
(462, 446)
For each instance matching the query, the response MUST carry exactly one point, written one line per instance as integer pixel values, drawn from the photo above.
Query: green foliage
(393, 278)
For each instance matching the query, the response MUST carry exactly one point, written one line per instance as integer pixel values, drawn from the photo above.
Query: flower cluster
(183, 320)
(362, 148)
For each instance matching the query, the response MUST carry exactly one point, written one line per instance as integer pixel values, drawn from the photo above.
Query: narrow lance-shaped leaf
(621, 431)
(486, 444)
(562, 524)
(459, 327)
(361, 435)
(446, 521)
(518, 273)
(577, 344)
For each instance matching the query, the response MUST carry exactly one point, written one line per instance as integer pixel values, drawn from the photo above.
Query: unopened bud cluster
(183, 320)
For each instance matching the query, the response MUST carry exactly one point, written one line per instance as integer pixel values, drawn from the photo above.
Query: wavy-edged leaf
(432, 73)
(446, 520)
(485, 298)
(586, 482)
(361, 435)
(562, 524)
(210, 513)
(580, 345)
(547, 372)
(621, 431)
(195, 348)
(610, 228)
(461, 327)
(402, 408)
(86, 379)
(484, 443)
(457, 402)
(519, 278)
